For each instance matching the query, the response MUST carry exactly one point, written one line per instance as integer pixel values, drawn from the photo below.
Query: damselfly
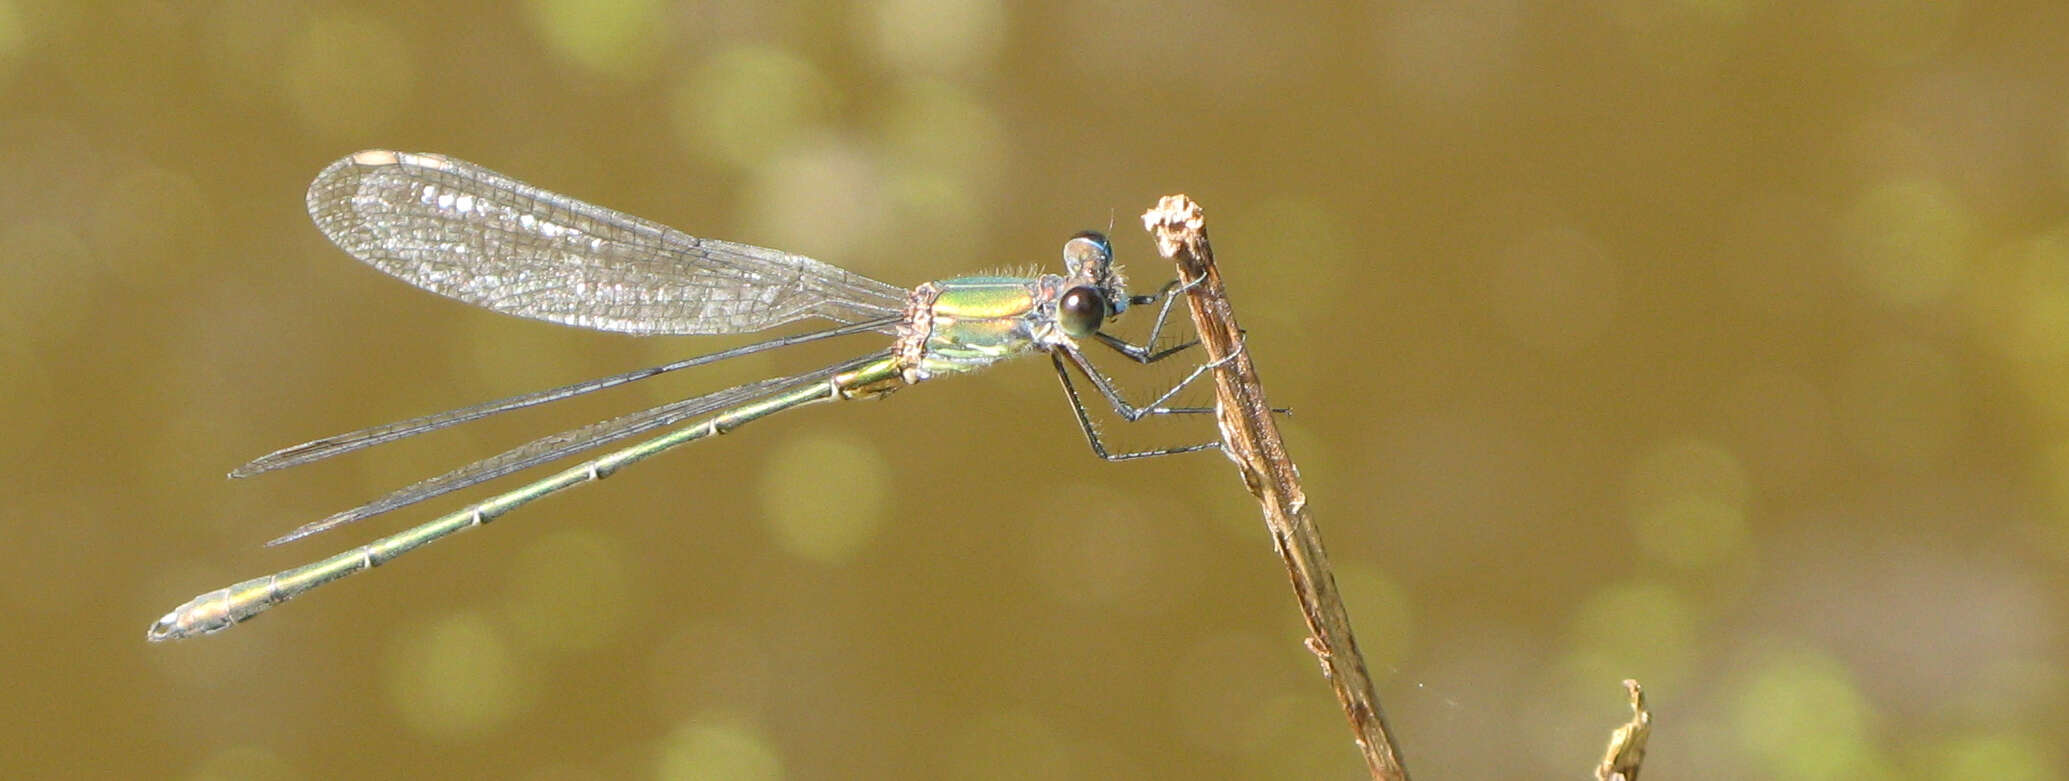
(469, 233)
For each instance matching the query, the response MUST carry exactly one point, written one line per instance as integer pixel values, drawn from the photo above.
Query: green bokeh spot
(1800, 712)
(718, 748)
(614, 38)
(749, 103)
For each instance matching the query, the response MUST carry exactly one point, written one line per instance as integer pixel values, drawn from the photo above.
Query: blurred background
(1721, 344)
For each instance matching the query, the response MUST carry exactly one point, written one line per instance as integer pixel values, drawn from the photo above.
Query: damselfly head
(1087, 253)
(1090, 259)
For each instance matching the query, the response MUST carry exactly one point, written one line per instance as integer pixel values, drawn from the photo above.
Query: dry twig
(1250, 437)
(1627, 743)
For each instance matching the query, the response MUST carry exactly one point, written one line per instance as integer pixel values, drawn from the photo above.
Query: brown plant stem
(1250, 437)
(1626, 749)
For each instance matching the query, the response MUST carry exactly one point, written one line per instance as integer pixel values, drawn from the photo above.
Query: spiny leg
(1145, 352)
(1132, 412)
(1121, 406)
(1077, 407)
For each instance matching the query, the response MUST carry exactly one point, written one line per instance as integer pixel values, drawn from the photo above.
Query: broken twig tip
(1627, 744)
(1173, 219)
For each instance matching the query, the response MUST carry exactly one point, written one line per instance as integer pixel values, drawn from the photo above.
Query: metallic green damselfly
(465, 232)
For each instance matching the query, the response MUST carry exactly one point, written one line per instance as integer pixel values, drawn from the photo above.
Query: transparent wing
(319, 449)
(469, 233)
(557, 446)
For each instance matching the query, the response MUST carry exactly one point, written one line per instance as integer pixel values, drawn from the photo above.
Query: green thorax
(973, 322)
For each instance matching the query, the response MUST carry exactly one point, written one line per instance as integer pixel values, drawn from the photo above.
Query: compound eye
(1081, 311)
(1087, 254)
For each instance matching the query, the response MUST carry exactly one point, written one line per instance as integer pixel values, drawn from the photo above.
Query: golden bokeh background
(1723, 344)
